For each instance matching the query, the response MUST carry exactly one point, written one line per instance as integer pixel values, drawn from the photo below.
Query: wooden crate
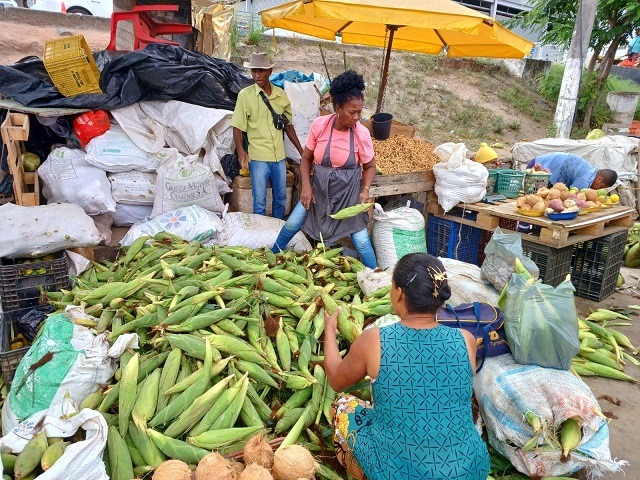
(416, 184)
(26, 185)
(241, 199)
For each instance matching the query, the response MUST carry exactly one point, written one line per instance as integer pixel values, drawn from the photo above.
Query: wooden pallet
(26, 185)
(553, 233)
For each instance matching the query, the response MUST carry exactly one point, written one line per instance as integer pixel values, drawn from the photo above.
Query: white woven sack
(458, 180)
(69, 178)
(256, 231)
(396, 234)
(115, 152)
(127, 215)
(133, 187)
(184, 181)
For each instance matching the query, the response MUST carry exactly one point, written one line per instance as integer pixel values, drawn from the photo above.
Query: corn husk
(255, 472)
(293, 462)
(257, 450)
(172, 470)
(215, 467)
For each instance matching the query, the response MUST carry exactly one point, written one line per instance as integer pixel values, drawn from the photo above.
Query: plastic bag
(28, 323)
(458, 179)
(127, 215)
(89, 125)
(541, 323)
(81, 460)
(501, 253)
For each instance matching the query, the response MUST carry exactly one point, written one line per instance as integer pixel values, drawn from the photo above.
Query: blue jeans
(294, 224)
(276, 172)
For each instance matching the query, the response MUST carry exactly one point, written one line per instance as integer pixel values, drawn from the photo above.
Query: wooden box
(241, 199)
(26, 185)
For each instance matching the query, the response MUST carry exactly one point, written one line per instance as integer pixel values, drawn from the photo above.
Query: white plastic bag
(133, 187)
(80, 363)
(501, 253)
(507, 390)
(81, 460)
(396, 234)
(69, 178)
(184, 181)
(190, 223)
(256, 231)
(305, 105)
(127, 215)
(458, 180)
(115, 152)
(36, 231)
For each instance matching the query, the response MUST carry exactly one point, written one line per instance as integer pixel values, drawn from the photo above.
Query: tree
(555, 21)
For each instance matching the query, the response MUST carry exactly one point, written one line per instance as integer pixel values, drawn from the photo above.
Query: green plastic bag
(541, 322)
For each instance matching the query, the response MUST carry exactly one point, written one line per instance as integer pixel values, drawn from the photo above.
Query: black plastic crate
(485, 237)
(9, 359)
(554, 263)
(596, 266)
(450, 239)
(20, 283)
(508, 224)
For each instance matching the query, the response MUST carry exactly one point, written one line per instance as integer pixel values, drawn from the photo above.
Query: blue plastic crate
(450, 239)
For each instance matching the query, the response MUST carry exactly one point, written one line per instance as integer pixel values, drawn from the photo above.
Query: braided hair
(345, 87)
(423, 279)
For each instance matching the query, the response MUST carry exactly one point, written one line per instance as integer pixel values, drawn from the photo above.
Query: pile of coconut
(260, 463)
(559, 199)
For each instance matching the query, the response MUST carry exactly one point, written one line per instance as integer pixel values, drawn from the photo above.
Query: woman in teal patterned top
(420, 425)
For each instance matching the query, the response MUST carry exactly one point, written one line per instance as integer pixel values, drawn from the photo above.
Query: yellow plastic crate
(70, 65)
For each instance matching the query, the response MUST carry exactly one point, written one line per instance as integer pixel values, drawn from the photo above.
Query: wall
(527, 68)
(26, 16)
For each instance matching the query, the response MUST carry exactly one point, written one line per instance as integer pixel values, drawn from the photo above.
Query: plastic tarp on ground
(158, 72)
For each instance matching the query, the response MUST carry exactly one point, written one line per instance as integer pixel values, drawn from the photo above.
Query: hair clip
(411, 280)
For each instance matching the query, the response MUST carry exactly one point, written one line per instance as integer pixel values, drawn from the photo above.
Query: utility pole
(568, 99)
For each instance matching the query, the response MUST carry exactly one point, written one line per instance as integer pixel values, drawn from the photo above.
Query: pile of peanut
(400, 154)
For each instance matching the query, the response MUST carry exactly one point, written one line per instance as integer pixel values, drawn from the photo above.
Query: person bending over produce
(574, 171)
(420, 425)
(340, 150)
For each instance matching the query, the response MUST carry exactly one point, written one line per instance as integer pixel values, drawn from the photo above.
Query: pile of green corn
(632, 248)
(229, 347)
(602, 348)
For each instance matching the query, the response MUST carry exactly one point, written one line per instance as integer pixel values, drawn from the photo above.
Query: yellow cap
(485, 153)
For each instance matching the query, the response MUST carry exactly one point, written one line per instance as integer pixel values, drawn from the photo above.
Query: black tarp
(158, 72)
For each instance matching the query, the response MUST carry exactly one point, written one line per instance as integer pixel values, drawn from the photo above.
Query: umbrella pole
(385, 68)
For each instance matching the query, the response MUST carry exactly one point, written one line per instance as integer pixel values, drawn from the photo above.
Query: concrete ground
(625, 434)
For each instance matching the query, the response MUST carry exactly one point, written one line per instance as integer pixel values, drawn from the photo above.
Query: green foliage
(255, 33)
(235, 35)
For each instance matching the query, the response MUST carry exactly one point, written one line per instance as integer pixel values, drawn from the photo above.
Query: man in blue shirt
(575, 171)
(634, 47)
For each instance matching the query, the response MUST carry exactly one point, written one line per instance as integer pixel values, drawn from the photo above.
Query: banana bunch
(230, 346)
(602, 348)
(632, 249)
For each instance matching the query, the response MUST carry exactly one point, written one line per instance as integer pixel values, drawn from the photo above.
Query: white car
(99, 8)
(8, 3)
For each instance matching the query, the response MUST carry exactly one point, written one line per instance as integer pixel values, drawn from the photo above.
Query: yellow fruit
(614, 198)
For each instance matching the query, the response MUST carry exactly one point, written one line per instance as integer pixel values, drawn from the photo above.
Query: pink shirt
(319, 137)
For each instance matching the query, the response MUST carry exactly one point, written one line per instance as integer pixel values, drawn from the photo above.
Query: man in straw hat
(263, 111)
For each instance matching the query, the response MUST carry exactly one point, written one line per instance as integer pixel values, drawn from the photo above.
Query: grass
(255, 34)
(619, 84)
(524, 102)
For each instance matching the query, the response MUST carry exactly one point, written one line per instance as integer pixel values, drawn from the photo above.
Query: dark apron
(335, 189)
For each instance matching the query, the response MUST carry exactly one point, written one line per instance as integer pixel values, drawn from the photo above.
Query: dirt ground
(418, 96)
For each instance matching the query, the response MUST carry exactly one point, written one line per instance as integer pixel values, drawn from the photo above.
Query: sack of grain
(256, 231)
(397, 233)
(115, 152)
(127, 215)
(133, 187)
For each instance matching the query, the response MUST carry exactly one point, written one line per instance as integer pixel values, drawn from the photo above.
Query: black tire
(78, 11)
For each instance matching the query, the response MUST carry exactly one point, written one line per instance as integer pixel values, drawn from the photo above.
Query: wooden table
(553, 233)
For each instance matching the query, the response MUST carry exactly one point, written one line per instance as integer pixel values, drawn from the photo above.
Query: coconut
(543, 192)
(533, 199)
(539, 207)
(566, 195)
(172, 470)
(293, 462)
(215, 467)
(521, 202)
(255, 472)
(582, 197)
(560, 187)
(257, 450)
(591, 195)
(239, 466)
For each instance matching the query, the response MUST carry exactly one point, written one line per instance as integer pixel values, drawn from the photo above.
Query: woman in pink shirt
(340, 150)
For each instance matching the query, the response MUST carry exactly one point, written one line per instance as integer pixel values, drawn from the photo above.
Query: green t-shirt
(251, 115)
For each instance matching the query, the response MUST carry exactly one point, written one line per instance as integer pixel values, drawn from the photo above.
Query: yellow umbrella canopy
(413, 25)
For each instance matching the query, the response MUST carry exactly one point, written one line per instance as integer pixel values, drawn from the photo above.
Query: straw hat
(259, 60)
(485, 154)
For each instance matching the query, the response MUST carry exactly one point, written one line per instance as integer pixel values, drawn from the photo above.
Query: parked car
(99, 8)
(8, 3)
